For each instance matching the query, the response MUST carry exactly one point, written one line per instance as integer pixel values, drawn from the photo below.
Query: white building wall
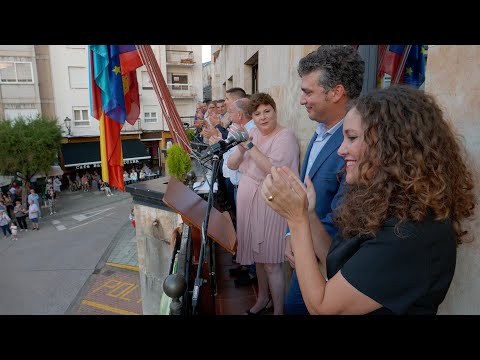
(66, 98)
(18, 98)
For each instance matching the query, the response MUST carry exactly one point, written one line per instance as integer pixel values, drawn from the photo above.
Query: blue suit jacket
(326, 179)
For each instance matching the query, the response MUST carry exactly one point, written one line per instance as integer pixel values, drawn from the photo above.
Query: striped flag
(113, 99)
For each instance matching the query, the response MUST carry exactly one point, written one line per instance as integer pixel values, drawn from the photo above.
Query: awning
(80, 155)
(6, 180)
(86, 155)
(134, 150)
(54, 170)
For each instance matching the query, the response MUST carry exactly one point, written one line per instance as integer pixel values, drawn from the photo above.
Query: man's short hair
(243, 105)
(237, 92)
(339, 65)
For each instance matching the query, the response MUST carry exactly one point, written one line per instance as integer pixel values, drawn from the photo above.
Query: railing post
(174, 286)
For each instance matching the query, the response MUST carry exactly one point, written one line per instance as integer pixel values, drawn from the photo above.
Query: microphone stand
(207, 245)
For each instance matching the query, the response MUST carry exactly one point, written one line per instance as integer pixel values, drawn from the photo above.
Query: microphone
(223, 145)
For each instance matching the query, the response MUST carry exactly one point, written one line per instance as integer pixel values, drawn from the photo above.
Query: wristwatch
(249, 146)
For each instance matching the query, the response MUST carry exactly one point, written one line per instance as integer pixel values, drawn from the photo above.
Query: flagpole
(401, 67)
(166, 103)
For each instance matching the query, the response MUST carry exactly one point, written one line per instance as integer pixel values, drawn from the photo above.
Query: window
(11, 114)
(150, 114)
(80, 117)
(254, 78)
(150, 117)
(251, 73)
(146, 83)
(179, 79)
(78, 77)
(16, 72)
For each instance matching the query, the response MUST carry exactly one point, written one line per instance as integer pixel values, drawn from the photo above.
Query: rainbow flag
(113, 100)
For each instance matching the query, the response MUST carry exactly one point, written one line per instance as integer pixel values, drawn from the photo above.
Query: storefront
(79, 157)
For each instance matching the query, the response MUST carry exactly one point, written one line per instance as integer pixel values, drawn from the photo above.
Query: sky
(206, 55)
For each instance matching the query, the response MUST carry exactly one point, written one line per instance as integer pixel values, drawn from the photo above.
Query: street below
(47, 272)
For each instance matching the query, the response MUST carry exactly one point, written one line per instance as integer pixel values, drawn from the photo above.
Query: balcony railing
(188, 120)
(180, 57)
(127, 128)
(182, 90)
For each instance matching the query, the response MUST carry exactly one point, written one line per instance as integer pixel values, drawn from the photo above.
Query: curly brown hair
(413, 166)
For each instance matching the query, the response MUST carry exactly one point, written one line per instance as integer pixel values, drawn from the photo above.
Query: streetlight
(68, 125)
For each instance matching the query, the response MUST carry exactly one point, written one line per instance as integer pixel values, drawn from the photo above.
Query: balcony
(180, 57)
(187, 120)
(132, 129)
(182, 90)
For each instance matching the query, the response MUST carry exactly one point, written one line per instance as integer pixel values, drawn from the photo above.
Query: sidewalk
(124, 252)
(114, 286)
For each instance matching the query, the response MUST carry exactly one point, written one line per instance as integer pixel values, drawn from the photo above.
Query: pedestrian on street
(4, 221)
(20, 214)
(33, 214)
(51, 195)
(13, 229)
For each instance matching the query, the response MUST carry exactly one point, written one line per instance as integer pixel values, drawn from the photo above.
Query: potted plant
(178, 162)
(190, 134)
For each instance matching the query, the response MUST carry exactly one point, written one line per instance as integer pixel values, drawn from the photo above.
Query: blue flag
(107, 78)
(414, 73)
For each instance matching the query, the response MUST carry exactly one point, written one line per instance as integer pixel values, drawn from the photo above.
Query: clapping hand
(284, 192)
(214, 119)
(216, 137)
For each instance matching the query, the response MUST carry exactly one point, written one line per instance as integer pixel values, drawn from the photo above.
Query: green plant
(178, 162)
(28, 145)
(191, 134)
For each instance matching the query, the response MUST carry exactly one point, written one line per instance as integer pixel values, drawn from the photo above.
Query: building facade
(207, 81)
(54, 80)
(19, 85)
(182, 71)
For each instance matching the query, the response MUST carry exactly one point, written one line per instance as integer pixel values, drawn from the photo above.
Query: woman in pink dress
(261, 231)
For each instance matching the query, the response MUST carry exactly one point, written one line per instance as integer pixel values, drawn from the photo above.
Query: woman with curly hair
(408, 190)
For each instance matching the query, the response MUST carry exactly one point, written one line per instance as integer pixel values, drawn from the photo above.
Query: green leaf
(28, 145)
(178, 162)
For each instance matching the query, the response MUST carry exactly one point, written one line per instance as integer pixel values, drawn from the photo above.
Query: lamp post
(68, 125)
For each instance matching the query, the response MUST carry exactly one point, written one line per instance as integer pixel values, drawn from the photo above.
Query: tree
(28, 146)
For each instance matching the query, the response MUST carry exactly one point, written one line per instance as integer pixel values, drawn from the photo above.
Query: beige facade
(47, 102)
(154, 228)
(451, 74)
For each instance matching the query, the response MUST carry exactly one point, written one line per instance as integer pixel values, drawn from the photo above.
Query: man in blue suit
(331, 77)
